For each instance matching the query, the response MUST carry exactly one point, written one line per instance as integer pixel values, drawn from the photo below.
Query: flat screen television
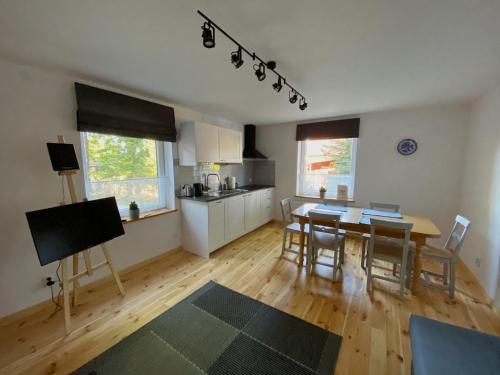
(61, 231)
(62, 156)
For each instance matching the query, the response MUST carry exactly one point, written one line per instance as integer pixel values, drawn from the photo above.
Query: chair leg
(283, 243)
(394, 269)
(445, 273)
(369, 280)
(342, 251)
(335, 262)
(363, 253)
(452, 279)
(291, 240)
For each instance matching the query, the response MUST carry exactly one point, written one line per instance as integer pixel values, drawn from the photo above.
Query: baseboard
(108, 278)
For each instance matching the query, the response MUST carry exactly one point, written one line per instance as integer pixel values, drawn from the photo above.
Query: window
(131, 169)
(326, 162)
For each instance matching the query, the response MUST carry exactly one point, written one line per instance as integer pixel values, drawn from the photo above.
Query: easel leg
(76, 285)
(67, 307)
(112, 268)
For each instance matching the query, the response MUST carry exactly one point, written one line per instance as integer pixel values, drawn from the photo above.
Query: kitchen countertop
(208, 198)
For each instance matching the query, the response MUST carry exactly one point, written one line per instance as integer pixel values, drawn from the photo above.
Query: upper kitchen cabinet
(230, 146)
(200, 142)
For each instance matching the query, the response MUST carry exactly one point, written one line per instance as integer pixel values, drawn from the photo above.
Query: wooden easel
(66, 279)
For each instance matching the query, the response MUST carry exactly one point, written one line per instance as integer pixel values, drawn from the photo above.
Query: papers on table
(366, 219)
(329, 207)
(370, 212)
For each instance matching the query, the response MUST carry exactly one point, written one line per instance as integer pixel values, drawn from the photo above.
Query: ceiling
(347, 57)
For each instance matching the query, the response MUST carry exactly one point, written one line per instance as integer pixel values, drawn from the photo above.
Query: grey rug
(219, 331)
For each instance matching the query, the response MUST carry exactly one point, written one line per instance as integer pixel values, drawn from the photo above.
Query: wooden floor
(374, 327)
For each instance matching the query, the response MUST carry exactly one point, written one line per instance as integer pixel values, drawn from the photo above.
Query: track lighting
(278, 86)
(260, 66)
(236, 59)
(302, 103)
(208, 35)
(260, 71)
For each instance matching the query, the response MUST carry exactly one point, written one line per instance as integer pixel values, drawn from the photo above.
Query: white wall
(426, 183)
(35, 106)
(480, 199)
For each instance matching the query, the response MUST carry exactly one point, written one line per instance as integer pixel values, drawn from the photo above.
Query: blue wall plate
(407, 146)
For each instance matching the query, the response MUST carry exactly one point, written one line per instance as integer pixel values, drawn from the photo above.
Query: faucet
(212, 174)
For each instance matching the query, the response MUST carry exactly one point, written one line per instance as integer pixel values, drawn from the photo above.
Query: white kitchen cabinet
(216, 224)
(252, 210)
(235, 217)
(266, 205)
(230, 146)
(200, 142)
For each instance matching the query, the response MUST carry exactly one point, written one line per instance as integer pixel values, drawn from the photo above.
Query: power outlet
(48, 281)
(478, 262)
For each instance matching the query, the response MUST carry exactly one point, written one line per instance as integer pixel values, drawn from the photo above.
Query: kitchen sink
(225, 193)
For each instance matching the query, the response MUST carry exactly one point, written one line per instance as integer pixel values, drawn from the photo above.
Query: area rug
(219, 331)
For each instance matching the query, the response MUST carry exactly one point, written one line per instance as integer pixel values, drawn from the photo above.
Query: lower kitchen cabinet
(207, 226)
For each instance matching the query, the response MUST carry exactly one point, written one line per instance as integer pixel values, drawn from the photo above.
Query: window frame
(301, 150)
(161, 174)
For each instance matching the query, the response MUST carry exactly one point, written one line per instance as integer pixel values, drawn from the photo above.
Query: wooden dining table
(423, 228)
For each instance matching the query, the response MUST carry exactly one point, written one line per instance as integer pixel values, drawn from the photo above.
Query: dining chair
(290, 227)
(396, 249)
(447, 256)
(390, 207)
(325, 233)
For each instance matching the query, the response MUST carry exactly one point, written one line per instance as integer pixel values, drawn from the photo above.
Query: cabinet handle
(218, 202)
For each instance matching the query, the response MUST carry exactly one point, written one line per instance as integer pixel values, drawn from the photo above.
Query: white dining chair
(447, 256)
(290, 228)
(396, 249)
(325, 234)
(389, 207)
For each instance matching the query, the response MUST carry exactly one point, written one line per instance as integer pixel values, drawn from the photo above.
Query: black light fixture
(260, 71)
(208, 35)
(260, 66)
(302, 103)
(236, 59)
(278, 86)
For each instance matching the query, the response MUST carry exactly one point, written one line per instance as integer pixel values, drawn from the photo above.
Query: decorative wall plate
(407, 146)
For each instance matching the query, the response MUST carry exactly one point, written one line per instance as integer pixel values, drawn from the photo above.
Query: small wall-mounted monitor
(61, 231)
(62, 156)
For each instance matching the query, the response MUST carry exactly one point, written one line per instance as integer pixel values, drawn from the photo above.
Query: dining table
(352, 219)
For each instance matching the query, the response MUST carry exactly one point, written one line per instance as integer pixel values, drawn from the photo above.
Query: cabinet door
(216, 225)
(235, 217)
(230, 146)
(266, 205)
(207, 143)
(252, 211)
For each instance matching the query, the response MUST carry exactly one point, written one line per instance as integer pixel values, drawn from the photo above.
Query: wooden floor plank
(374, 326)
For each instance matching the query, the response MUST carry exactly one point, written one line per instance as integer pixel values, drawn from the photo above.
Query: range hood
(249, 150)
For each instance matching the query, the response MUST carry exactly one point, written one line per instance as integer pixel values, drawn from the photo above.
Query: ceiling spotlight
(271, 65)
(236, 59)
(292, 98)
(208, 35)
(278, 86)
(260, 71)
(302, 103)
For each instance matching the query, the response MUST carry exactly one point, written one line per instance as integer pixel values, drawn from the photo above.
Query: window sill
(328, 199)
(149, 214)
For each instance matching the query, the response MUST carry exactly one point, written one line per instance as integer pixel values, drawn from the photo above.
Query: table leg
(301, 241)
(417, 264)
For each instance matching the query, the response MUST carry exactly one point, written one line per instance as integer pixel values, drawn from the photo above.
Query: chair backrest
(457, 235)
(384, 206)
(286, 211)
(398, 231)
(323, 221)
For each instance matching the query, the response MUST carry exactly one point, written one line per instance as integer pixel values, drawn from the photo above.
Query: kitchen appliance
(249, 151)
(198, 189)
(231, 183)
(186, 190)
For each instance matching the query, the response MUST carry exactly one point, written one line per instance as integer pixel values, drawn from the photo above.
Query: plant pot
(134, 214)
(322, 194)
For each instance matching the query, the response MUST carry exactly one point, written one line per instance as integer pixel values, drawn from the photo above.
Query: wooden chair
(447, 256)
(366, 236)
(290, 228)
(396, 250)
(325, 233)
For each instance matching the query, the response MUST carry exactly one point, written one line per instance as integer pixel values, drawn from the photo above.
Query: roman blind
(107, 112)
(345, 128)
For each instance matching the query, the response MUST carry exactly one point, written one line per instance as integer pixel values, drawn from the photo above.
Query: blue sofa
(440, 348)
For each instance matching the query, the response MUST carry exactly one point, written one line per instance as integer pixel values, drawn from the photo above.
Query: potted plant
(322, 192)
(134, 210)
